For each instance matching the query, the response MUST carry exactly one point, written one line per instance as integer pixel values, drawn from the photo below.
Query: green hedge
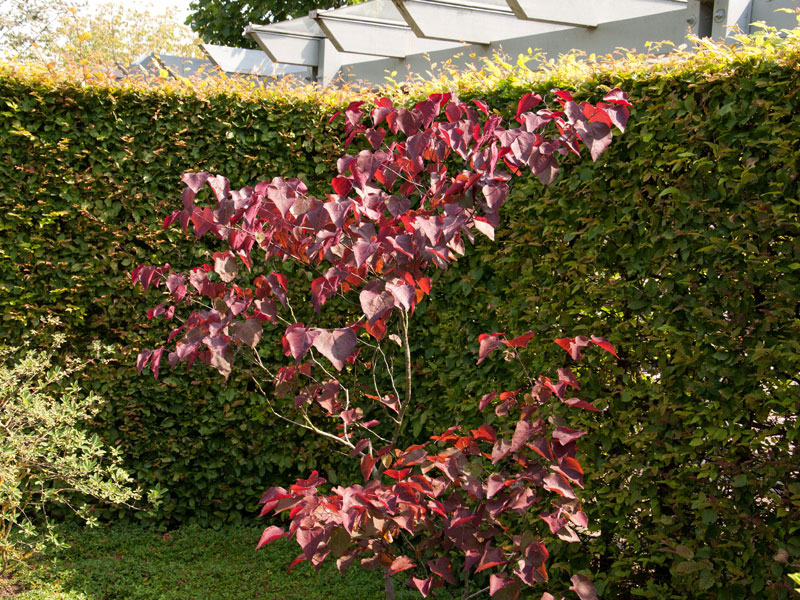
(90, 171)
(680, 245)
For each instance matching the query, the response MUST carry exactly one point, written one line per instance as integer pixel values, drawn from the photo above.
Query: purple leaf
(423, 585)
(522, 433)
(298, 340)
(441, 567)
(249, 332)
(402, 292)
(401, 563)
(375, 303)
(596, 136)
(488, 343)
(336, 345)
(584, 587)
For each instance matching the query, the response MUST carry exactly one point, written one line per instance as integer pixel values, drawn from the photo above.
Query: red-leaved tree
(433, 177)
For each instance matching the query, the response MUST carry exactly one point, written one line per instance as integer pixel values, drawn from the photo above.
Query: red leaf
(527, 102)
(341, 185)
(604, 344)
(519, 342)
(580, 404)
(270, 535)
(367, 463)
(397, 474)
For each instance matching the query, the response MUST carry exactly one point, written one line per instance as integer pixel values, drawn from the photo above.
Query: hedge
(680, 245)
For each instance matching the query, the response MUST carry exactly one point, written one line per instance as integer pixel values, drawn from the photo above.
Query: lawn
(128, 562)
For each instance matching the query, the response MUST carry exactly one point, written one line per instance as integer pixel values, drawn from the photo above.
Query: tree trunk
(388, 586)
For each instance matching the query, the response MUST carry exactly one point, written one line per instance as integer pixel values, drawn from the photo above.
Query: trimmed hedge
(680, 245)
(90, 172)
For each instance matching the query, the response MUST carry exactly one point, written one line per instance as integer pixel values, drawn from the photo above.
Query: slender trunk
(388, 585)
(407, 400)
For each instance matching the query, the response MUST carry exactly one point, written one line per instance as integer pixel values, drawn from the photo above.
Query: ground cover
(125, 561)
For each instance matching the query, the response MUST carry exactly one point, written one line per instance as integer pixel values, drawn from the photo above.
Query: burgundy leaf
(497, 581)
(402, 292)
(555, 482)
(143, 359)
(501, 449)
(617, 96)
(338, 211)
(225, 266)
(491, 557)
(336, 345)
(580, 404)
(486, 399)
(565, 435)
(375, 137)
(367, 463)
(596, 136)
(441, 567)
(494, 484)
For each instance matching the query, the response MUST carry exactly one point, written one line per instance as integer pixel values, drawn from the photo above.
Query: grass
(125, 562)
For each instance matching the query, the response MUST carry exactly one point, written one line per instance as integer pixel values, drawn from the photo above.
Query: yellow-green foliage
(46, 457)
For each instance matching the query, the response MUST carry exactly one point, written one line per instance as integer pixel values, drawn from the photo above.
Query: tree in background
(24, 24)
(66, 31)
(113, 34)
(223, 21)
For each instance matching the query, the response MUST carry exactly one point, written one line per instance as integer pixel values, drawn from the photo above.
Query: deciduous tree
(397, 209)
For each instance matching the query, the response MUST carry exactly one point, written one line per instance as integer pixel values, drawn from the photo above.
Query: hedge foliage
(680, 245)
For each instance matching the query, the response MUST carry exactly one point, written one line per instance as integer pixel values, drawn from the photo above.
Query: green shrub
(45, 456)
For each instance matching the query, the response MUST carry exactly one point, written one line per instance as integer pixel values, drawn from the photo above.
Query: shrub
(398, 210)
(46, 458)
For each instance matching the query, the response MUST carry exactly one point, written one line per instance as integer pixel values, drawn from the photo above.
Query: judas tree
(429, 180)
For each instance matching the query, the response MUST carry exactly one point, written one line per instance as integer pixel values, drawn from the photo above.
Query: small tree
(45, 456)
(396, 210)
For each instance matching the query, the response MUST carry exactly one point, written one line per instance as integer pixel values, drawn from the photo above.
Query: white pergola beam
(591, 13)
(294, 42)
(376, 28)
(469, 22)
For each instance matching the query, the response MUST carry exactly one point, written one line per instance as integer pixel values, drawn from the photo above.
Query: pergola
(366, 41)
